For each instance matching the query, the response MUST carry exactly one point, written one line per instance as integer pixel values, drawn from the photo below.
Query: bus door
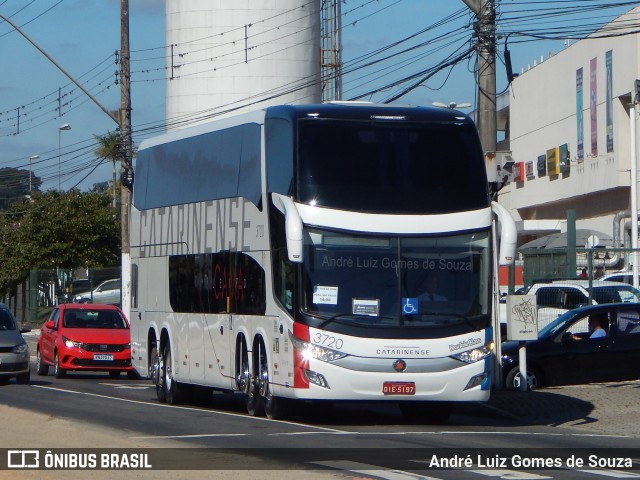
(217, 337)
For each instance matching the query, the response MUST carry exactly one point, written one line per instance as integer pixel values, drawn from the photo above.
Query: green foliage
(14, 185)
(57, 229)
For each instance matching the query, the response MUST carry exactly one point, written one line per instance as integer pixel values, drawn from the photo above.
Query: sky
(82, 36)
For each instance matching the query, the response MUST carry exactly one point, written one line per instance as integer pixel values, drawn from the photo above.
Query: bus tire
(244, 381)
(172, 392)
(274, 407)
(427, 413)
(156, 368)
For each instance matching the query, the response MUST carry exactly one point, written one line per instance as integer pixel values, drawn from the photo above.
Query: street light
(62, 127)
(31, 159)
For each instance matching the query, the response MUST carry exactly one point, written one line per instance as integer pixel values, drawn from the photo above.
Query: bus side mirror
(508, 234)
(293, 226)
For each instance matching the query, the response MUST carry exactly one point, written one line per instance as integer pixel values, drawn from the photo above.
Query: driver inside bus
(431, 290)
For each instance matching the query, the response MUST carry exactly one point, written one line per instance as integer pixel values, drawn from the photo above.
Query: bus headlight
(310, 350)
(474, 355)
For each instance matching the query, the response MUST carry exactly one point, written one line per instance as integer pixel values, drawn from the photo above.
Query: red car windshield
(94, 319)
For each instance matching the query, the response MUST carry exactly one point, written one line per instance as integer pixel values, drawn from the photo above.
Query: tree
(14, 185)
(109, 149)
(57, 230)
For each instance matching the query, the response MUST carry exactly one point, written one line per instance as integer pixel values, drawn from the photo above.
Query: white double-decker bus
(289, 254)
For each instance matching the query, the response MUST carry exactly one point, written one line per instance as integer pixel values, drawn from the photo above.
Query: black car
(564, 354)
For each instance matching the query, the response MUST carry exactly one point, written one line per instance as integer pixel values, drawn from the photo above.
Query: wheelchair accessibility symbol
(409, 306)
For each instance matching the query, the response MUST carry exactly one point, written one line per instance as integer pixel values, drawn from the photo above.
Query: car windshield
(616, 294)
(557, 325)
(104, 319)
(6, 320)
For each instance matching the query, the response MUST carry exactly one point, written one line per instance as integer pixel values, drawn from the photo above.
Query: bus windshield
(391, 281)
(383, 167)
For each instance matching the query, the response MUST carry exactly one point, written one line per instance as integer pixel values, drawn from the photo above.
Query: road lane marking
(126, 387)
(326, 430)
(373, 470)
(193, 435)
(509, 474)
(200, 410)
(612, 473)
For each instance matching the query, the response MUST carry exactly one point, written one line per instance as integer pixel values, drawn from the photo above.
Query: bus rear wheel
(170, 386)
(244, 381)
(274, 407)
(156, 368)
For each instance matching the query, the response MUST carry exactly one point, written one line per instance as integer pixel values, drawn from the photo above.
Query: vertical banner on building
(542, 165)
(609, 100)
(593, 110)
(564, 161)
(552, 161)
(579, 114)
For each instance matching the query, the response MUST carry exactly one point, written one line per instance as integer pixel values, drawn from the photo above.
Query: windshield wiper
(466, 319)
(327, 320)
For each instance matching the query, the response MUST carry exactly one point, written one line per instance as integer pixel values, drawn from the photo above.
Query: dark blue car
(564, 354)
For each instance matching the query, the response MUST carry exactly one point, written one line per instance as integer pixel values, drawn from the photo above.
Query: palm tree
(109, 149)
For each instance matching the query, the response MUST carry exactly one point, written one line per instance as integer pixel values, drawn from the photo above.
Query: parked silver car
(14, 351)
(108, 293)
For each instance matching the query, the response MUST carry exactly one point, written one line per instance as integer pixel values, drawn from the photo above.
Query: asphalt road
(93, 411)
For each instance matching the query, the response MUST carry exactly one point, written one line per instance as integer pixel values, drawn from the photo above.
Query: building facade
(570, 136)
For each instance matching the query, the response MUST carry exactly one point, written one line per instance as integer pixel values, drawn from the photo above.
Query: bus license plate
(102, 356)
(399, 388)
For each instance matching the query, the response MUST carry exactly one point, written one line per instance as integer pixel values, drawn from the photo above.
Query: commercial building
(568, 129)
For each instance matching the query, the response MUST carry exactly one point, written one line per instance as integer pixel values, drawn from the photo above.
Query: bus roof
(342, 110)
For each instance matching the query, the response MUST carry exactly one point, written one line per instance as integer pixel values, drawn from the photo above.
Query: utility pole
(126, 176)
(124, 122)
(331, 54)
(485, 29)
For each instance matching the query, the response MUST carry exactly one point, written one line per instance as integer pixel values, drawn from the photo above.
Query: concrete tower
(228, 56)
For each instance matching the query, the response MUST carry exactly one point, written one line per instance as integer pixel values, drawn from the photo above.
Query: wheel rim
(532, 381)
(38, 360)
(57, 364)
(263, 374)
(155, 367)
(243, 378)
(168, 373)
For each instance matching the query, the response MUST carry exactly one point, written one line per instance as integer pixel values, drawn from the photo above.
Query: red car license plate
(399, 388)
(102, 356)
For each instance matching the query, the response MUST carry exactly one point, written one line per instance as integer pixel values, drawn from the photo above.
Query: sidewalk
(609, 408)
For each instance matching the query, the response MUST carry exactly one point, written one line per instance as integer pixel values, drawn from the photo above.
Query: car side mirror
(49, 324)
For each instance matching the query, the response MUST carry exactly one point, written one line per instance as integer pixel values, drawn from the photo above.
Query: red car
(85, 337)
